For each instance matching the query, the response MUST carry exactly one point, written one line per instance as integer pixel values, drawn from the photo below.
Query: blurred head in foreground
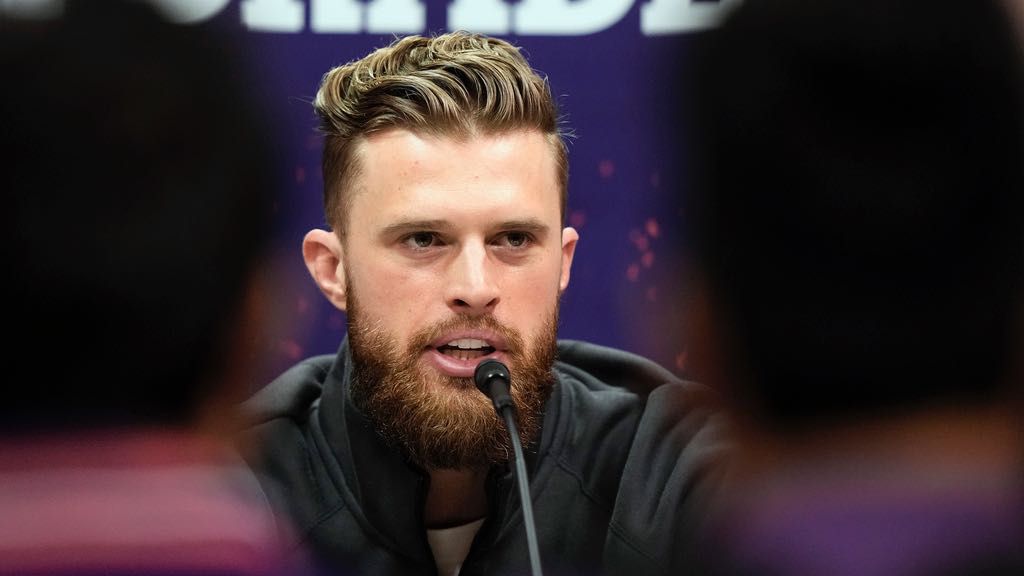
(857, 225)
(136, 192)
(859, 213)
(137, 198)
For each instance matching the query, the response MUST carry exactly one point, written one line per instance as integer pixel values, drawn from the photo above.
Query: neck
(455, 497)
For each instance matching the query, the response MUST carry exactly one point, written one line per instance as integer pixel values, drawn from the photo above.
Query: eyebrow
(528, 225)
(532, 225)
(408, 226)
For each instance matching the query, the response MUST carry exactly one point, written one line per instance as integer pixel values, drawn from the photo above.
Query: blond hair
(453, 85)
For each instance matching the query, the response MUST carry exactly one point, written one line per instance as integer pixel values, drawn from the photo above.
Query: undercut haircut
(456, 85)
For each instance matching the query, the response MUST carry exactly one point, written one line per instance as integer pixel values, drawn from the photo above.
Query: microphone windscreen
(487, 371)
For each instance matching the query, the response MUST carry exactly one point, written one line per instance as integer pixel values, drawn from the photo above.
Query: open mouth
(466, 349)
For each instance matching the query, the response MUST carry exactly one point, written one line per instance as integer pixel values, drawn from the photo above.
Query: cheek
(532, 292)
(376, 270)
(392, 295)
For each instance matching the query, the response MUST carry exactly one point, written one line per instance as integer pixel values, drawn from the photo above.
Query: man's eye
(420, 240)
(517, 239)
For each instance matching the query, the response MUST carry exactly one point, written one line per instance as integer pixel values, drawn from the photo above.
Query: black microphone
(493, 379)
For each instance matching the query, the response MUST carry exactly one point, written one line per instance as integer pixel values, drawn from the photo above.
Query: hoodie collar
(389, 492)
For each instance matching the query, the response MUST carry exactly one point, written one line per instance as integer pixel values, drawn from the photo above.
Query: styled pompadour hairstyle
(456, 85)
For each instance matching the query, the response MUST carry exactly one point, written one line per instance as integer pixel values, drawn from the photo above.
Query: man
(445, 185)
(137, 194)
(859, 224)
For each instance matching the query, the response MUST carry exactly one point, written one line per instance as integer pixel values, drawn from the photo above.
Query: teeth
(465, 354)
(468, 344)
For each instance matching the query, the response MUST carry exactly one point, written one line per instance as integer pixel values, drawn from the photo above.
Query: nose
(471, 287)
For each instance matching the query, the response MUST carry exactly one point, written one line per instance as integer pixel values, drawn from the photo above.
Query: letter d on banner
(189, 11)
(659, 17)
(566, 17)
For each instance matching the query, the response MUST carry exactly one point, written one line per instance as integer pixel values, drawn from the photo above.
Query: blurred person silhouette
(137, 197)
(856, 223)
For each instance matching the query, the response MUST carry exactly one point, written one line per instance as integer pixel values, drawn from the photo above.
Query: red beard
(444, 422)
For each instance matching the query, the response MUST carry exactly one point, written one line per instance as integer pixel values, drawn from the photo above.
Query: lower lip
(455, 367)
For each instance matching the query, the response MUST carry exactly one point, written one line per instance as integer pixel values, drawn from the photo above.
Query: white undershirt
(451, 545)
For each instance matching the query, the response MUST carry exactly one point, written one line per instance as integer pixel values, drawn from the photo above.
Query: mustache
(425, 336)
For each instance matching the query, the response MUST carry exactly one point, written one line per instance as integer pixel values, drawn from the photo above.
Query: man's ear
(324, 258)
(569, 239)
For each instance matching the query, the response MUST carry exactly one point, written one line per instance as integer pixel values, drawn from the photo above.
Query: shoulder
(290, 394)
(660, 438)
(278, 413)
(279, 442)
(611, 366)
(604, 383)
(621, 414)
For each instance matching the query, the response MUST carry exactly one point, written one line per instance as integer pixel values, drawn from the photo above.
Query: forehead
(407, 174)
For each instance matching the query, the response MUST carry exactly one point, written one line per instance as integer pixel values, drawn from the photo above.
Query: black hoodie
(619, 478)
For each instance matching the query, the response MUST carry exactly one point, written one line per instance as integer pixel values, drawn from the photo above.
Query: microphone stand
(492, 378)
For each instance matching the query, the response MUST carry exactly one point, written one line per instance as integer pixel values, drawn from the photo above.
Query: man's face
(453, 252)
